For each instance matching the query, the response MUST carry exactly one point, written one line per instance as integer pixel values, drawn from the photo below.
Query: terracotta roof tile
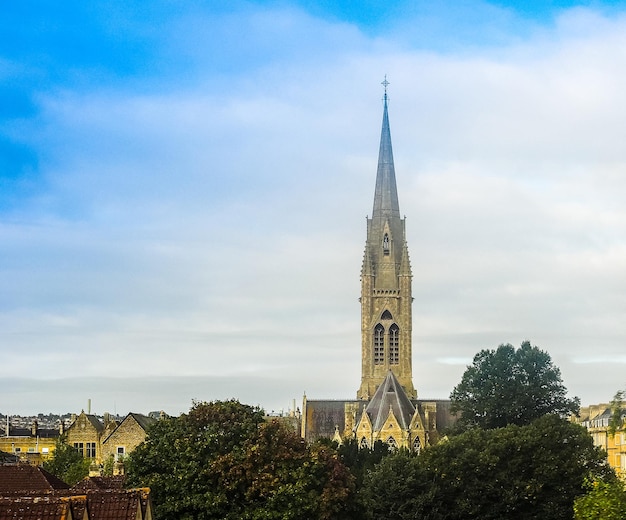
(34, 508)
(24, 477)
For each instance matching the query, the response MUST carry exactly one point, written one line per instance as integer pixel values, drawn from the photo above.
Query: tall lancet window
(379, 345)
(394, 345)
(386, 244)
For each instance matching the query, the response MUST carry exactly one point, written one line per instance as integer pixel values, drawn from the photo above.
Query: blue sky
(182, 193)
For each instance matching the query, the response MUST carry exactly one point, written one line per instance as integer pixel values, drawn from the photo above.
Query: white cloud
(217, 228)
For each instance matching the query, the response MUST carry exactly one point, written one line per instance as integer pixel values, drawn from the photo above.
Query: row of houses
(596, 419)
(96, 439)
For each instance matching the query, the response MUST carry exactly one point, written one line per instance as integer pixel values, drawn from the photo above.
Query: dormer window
(386, 244)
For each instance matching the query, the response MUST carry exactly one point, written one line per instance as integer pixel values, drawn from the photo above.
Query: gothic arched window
(386, 244)
(386, 316)
(394, 344)
(391, 442)
(417, 445)
(363, 444)
(379, 345)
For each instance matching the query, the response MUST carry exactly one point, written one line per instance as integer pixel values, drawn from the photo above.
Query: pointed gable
(390, 396)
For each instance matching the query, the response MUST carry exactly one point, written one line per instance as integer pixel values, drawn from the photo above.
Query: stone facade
(129, 434)
(34, 445)
(85, 434)
(596, 418)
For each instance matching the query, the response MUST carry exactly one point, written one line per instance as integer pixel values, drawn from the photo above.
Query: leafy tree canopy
(509, 386)
(605, 501)
(522, 472)
(221, 460)
(66, 463)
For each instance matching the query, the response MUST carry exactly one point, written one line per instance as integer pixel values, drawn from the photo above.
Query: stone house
(126, 436)
(86, 433)
(596, 419)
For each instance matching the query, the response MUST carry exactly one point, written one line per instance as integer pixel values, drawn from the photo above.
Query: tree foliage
(66, 463)
(221, 460)
(509, 386)
(617, 412)
(605, 501)
(522, 472)
(361, 460)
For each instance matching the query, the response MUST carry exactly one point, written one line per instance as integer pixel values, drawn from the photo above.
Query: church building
(386, 407)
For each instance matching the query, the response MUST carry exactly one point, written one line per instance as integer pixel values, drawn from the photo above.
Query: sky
(184, 186)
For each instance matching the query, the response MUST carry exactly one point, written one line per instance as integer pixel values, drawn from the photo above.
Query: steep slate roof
(390, 394)
(143, 420)
(95, 422)
(24, 477)
(8, 458)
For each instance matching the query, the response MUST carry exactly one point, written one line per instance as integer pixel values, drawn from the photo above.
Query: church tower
(386, 283)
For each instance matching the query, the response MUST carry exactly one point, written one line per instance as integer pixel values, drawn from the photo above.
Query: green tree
(361, 460)
(509, 386)
(617, 412)
(605, 501)
(532, 472)
(66, 463)
(221, 460)
(399, 487)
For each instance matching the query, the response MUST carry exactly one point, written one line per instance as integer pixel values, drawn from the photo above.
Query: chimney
(89, 406)
(33, 428)
(61, 427)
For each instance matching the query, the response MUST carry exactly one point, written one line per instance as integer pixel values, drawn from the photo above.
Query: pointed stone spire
(386, 193)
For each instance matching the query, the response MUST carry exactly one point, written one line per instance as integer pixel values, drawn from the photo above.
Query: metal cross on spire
(385, 83)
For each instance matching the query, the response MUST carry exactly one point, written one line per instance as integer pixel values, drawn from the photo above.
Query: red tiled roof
(24, 477)
(99, 483)
(113, 505)
(35, 508)
(109, 504)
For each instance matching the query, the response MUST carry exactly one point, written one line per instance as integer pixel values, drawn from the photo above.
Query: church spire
(386, 299)
(386, 193)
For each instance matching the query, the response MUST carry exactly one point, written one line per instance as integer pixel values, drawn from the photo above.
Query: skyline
(183, 193)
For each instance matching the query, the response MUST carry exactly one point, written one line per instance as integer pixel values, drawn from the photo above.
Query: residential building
(596, 418)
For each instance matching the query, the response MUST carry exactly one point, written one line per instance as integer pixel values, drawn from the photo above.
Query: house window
(17, 450)
(31, 450)
(417, 445)
(121, 450)
(80, 448)
(379, 344)
(394, 345)
(91, 450)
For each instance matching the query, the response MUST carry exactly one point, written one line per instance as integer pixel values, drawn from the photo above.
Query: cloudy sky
(184, 186)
